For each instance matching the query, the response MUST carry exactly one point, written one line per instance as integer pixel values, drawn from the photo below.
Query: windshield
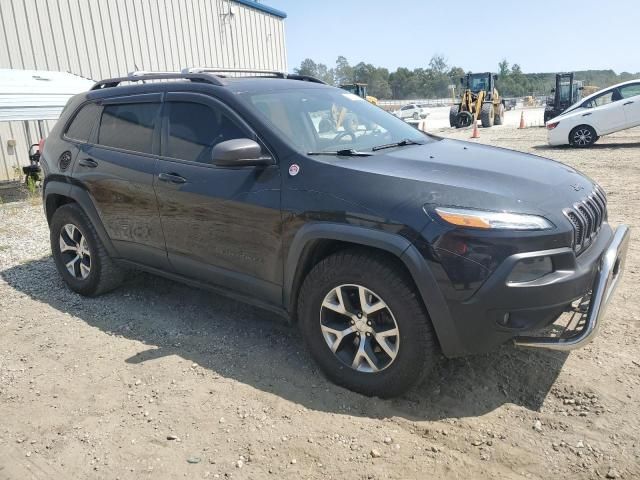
(565, 91)
(329, 120)
(478, 83)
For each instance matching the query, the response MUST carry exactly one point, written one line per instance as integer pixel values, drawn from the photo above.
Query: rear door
(222, 225)
(631, 103)
(117, 169)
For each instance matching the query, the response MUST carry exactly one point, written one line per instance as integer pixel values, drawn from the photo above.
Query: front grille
(587, 217)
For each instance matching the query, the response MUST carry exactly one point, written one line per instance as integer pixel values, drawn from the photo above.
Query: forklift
(480, 100)
(567, 92)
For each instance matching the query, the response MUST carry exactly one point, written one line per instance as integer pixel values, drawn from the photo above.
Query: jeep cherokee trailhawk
(386, 245)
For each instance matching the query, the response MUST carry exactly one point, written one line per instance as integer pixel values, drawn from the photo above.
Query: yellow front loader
(480, 100)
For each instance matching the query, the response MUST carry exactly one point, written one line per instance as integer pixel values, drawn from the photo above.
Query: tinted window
(194, 129)
(629, 91)
(81, 126)
(128, 126)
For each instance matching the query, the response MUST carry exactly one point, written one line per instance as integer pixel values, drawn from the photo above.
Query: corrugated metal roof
(262, 8)
(36, 94)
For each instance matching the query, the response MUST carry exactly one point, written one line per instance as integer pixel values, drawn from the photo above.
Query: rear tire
(453, 116)
(583, 136)
(416, 116)
(398, 365)
(487, 115)
(79, 255)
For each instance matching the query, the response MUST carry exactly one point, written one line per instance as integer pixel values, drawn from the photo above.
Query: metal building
(97, 39)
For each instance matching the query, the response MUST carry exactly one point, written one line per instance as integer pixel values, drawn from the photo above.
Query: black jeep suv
(385, 244)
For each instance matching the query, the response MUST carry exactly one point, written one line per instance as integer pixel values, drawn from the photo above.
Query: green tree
(343, 72)
(438, 64)
(318, 70)
(503, 67)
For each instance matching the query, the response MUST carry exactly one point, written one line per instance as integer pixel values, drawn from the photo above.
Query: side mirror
(461, 81)
(495, 76)
(240, 152)
(580, 88)
(553, 90)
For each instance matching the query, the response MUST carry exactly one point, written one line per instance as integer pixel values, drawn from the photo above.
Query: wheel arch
(314, 242)
(58, 193)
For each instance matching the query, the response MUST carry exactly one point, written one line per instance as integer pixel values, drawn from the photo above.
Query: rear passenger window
(194, 129)
(128, 126)
(81, 126)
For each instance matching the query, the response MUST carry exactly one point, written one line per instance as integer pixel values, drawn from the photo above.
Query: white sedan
(411, 110)
(607, 111)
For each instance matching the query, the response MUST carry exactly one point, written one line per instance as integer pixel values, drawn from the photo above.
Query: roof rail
(275, 73)
(306, 78)
(197, 74)
(141, 75)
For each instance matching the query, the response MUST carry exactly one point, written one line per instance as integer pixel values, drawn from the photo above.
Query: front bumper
(607, 278)
(500, 311)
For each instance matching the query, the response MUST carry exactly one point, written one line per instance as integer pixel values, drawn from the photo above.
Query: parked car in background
(411, 110)
(604, 112)
(510, 103)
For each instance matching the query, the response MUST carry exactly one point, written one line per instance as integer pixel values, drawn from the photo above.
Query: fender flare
(82, 198)
(394, 244)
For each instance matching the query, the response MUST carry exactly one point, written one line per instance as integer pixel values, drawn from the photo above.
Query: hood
(456, 173)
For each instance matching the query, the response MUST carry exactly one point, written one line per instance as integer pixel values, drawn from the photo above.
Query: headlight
(464, 217)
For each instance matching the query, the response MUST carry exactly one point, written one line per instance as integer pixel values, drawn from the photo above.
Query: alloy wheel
(75, 252)
(583, 137)
(359, 328)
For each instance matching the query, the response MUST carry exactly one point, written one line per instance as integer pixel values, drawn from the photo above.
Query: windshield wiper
(347, 152)
(401, 143)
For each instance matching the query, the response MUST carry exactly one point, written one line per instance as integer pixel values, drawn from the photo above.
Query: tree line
(433, 81)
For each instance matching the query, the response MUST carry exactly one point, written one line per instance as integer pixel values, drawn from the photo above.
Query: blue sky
(547, 36)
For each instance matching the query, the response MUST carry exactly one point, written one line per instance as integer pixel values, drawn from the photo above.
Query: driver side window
(631, 90)
(194, 129)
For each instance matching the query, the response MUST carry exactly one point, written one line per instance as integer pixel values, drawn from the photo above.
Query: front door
(222, 225)
(117, 168)
(631, 103)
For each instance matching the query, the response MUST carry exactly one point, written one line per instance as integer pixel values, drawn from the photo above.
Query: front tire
(453, 115)
(364, 324)
(487, 115)
(79, 255)
(583, 136)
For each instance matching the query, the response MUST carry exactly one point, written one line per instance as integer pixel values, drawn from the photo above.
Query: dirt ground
(157, 380)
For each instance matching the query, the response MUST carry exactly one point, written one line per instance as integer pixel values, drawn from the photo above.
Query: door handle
(171, 178)
(586, 114)
(628, 103)
(88, 162)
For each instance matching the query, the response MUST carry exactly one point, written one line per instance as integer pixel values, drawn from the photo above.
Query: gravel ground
(157, 380)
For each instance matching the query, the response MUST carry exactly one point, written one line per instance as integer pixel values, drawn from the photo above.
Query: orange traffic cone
(476, 133)
(521, 120)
